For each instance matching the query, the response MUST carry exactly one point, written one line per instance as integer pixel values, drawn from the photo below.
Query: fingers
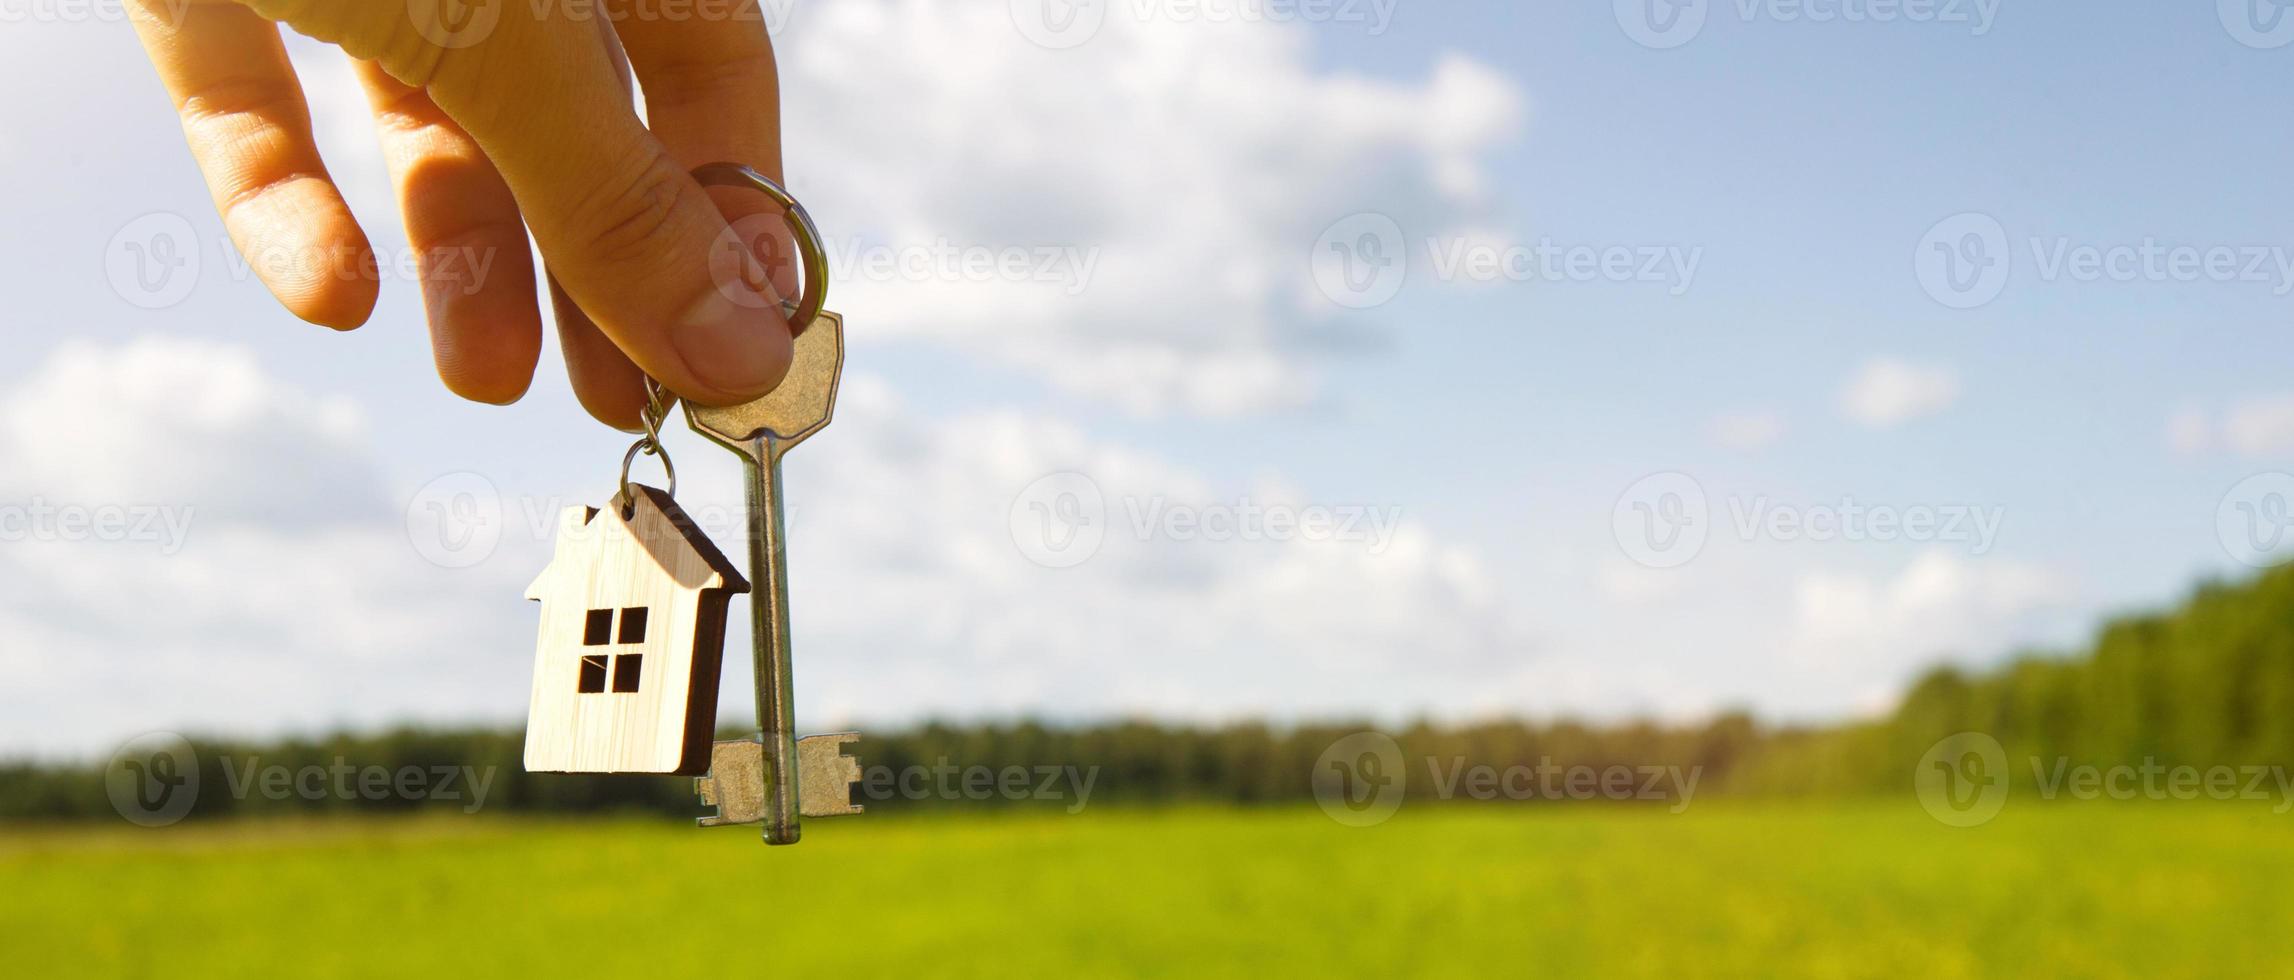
(464, 227)
(250, 131)
(623, 226)
(712, 93)
(610, 387)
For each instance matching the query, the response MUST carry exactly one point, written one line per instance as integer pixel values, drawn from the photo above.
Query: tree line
(2208, 683)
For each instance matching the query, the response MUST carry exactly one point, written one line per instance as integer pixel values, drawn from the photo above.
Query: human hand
(496, 116)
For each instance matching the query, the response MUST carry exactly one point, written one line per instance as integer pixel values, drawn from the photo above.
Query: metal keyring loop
(810, 252)
(627, 499)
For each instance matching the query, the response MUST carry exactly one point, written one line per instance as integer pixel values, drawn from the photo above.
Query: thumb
(626, 230)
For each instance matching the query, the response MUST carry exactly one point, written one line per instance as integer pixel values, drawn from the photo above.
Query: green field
(2193, 890)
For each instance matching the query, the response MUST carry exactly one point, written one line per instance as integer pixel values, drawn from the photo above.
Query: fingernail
(740, 351)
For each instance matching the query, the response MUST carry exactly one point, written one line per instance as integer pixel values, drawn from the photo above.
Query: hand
(490, 130)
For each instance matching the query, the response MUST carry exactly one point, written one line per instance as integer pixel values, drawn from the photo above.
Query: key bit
(736, 781)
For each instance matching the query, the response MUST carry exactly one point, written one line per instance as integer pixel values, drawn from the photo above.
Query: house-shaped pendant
(631, 639)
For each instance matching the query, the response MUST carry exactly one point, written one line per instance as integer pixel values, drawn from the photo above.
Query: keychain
(627, 664)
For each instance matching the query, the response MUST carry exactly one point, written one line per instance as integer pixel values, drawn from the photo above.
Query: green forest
(2209, 683)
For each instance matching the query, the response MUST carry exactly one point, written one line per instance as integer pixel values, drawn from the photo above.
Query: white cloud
(1197, 162)
(2257, 428)
(1747, 431)
(182, 423)
(292, 597)
(2189, 432)
(1150, 623)
(2260, 427)
(1631, 583)
(1889, 392)
(912, 593)
(1871, 632)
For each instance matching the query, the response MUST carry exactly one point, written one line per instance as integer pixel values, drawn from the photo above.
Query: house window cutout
(628, 669)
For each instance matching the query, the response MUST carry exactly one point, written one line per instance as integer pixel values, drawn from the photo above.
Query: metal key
(761, 432)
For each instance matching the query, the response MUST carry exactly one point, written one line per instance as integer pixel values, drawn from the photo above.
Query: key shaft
(769, 638)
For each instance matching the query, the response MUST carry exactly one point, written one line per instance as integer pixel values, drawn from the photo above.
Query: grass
(1830, 890)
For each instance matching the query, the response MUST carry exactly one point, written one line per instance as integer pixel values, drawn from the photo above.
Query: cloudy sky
(1395, 359)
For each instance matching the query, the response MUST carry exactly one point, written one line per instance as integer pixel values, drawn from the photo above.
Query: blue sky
(1510, 426)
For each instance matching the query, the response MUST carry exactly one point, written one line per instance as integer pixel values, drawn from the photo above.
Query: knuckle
(231, 104)
(700, 79)
(632, 216)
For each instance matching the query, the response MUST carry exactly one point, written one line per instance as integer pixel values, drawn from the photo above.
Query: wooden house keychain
(627, 665)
